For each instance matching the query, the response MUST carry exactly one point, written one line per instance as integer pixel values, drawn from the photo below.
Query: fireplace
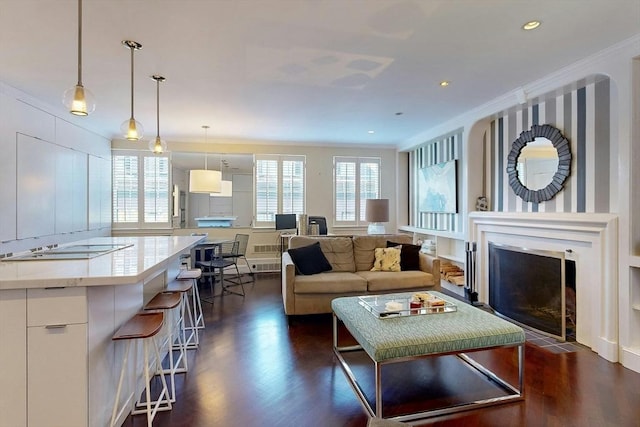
(588, 239)
(534, 288)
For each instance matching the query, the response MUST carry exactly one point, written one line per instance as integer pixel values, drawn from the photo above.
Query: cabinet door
(13, 354)
(57, 385)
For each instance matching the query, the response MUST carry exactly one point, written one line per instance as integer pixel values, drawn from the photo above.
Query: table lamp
(377, 213)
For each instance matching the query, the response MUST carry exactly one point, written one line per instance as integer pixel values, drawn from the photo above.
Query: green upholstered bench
(402, 338)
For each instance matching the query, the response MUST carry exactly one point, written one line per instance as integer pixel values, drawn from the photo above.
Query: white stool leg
(163, 397)
(115, 414)
(192, 341)
(197, 305)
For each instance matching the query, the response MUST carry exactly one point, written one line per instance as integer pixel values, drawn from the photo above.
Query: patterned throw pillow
(387, 259)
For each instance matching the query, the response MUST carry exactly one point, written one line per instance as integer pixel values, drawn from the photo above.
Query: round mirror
(539, 163)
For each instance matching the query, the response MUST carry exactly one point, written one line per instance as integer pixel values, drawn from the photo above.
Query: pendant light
(226, 186)
(204, 180)
(77, 99)
(132, 129)
(157, 145)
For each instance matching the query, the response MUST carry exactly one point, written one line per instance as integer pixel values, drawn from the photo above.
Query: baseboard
(630, 358)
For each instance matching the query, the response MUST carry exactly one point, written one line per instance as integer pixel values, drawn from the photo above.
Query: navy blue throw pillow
(310, 259)
(409, 255)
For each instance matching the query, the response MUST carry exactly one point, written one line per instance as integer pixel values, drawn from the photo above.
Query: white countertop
(122, 267)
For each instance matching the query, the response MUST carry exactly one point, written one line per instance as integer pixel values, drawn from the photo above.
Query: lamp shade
(226, 190)
(205, 181)
(377, 210)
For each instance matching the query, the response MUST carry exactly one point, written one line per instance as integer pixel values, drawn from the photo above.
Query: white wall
(319, 169)
(55, 177)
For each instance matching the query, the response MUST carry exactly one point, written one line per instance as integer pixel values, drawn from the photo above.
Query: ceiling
(305, 71)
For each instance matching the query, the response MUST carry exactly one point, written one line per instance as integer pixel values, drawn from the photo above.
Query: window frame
(141, 223)
(280, 184)
(359, 201)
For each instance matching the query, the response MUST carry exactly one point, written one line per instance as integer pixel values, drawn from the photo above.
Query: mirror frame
(563, 147)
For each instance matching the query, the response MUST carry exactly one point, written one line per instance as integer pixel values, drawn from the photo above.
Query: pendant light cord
(79, 42)
(158, 107)
(131, 48)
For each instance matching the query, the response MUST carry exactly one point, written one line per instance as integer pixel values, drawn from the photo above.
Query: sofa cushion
(309, 259)
(365, 245)
(386, 259)
(330, 283)
(409, 255)
(337, 249)
(387, 281)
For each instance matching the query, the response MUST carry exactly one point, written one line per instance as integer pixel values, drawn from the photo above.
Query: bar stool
(167, 301)
(194, 275)
(142, 327)
(191, 340)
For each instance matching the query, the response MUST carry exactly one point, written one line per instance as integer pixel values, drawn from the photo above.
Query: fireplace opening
(534, 288)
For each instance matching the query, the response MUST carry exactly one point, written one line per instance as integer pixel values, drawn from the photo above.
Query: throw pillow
(309, 259)
(409, 255)
(387, 259)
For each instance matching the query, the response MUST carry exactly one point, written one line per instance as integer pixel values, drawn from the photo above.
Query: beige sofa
(351, 259)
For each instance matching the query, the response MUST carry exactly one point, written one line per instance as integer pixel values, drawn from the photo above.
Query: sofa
(351, 259)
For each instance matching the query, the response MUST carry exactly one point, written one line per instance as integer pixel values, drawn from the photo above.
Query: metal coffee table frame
(516, 393)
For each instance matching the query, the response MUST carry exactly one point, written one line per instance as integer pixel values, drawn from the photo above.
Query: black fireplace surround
(533, 288)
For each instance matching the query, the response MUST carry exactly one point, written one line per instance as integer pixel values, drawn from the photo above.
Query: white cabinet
(36, 187)
(57, 367)
(13, 354)
(449, 248)
(57, 385)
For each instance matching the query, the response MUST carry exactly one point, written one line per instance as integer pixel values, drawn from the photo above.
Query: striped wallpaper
(441, 149)
(583, 116)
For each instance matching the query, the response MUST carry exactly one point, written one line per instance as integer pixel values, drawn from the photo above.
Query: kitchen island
(58, 364)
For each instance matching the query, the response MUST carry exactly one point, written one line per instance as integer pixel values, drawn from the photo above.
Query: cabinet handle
(55, 326)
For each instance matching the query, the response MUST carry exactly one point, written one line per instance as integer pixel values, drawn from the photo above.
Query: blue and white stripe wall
(582, 114)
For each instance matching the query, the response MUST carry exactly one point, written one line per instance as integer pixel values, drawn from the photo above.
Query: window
(356, 179)
(280, 184)
(140, 190)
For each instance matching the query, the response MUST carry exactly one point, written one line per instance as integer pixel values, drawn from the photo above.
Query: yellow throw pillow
(387, 259)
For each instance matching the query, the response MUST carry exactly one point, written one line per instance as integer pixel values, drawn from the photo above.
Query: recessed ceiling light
(531, 25)
(371, 131)
(445, 83)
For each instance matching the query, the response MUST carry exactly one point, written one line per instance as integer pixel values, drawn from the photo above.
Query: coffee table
(396, 339)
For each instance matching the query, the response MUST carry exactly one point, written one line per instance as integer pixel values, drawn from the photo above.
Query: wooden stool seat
(179, 286)
(189, 274)
(142, 325)
(164, 301)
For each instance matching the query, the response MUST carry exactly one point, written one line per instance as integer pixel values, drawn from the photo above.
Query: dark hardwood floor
(255, 369)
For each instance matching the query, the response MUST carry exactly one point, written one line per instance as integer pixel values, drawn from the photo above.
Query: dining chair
(240, 252)
(213, 264)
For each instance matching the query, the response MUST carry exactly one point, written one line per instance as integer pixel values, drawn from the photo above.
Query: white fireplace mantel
(591, 240)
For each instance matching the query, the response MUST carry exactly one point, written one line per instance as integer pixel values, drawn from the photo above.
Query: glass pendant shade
(205, 181)
(79, 100)
(157, 145)
(225, 191)
(132, 129)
